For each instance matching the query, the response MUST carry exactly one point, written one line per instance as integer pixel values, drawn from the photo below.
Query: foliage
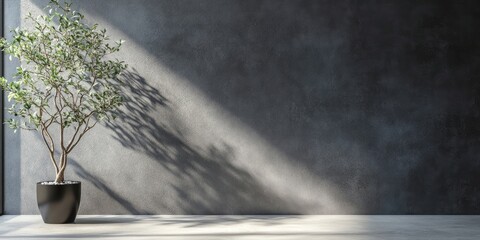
(65, 79)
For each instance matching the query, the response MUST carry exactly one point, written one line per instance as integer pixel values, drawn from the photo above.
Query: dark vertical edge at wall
(1, 113)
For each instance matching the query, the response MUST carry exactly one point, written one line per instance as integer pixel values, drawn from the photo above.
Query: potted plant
(64, 85)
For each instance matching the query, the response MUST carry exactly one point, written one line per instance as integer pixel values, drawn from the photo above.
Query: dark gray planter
(58, 203)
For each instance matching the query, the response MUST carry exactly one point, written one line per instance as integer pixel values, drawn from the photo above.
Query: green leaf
(10, 96)
(62, 59)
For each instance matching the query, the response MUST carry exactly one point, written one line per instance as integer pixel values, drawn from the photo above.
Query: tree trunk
(60, 176)
(63, 165)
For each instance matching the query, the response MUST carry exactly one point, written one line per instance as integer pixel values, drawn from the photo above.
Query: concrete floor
(244, 227)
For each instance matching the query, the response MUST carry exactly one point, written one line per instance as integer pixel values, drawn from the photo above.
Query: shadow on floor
(191, 221)
(104, 220)
(295, 227)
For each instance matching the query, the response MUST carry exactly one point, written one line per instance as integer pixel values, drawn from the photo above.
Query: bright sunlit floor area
(244, 227)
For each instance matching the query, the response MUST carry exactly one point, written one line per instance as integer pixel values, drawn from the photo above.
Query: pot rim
(71, 182)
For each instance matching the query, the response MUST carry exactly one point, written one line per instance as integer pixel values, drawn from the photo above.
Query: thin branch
(51, 146)
(86, 129)
(85, 121)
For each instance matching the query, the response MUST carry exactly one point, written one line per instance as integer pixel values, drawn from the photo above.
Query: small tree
(64, 84)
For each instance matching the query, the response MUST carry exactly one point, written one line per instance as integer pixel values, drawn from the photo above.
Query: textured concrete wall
(251, 107)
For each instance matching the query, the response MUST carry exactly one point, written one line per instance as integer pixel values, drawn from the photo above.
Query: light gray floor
(244, 227)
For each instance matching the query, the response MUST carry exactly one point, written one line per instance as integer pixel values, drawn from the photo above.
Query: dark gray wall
(309, 107)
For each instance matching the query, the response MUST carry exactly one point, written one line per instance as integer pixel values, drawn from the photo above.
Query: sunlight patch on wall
(206, 122)
(203, 123)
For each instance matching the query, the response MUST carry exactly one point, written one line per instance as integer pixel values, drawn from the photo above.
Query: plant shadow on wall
(320, 81)
(206, 180)
(102, 186)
